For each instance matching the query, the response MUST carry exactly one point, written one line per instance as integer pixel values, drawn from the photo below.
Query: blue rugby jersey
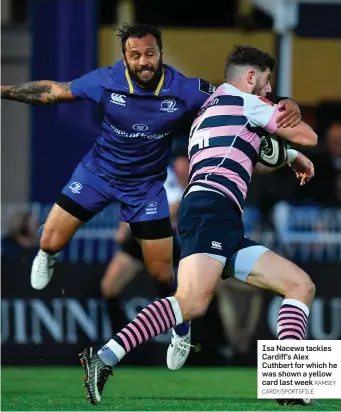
(138, 125)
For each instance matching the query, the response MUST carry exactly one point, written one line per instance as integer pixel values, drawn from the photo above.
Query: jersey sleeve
(261, 112)
(90, 86)
(196, 91)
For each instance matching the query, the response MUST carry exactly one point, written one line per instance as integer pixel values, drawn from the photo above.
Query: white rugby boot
(42, 269)
(178, 350)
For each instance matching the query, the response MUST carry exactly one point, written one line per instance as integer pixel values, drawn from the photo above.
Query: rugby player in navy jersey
(145, 103)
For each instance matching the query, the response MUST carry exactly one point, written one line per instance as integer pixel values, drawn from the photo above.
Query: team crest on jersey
(168, 106)
(119, 99)
(265, 100)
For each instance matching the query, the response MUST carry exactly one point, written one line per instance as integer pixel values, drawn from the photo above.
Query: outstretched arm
(261, 169)
(39, 92)
(300, 164)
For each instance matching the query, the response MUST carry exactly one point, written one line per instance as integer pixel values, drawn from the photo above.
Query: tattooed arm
(39, 92)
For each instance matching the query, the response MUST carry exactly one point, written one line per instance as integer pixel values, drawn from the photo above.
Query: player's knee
(310, 289)
(107, 288)
(192, 307)
(51, 241)
(161, 270)
(301, 287)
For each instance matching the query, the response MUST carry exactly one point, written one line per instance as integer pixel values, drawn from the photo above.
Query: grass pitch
(140, 389)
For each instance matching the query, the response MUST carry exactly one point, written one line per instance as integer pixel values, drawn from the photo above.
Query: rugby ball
(273, 151)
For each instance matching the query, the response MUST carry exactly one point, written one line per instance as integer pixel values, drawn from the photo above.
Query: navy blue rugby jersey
(138, 125)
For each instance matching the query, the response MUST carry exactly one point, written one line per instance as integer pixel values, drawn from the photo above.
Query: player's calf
(294, 312)
(275, 273)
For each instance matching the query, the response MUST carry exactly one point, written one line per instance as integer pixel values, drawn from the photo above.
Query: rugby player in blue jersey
(145, 103)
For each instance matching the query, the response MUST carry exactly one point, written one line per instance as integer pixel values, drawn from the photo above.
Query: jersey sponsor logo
(153, 136)
(216, 245)
(75, 187)
(168, 106)
(140, 127)
(151, 207)
(213, 102)
(206, 87)
(265, 100)
(119, 99)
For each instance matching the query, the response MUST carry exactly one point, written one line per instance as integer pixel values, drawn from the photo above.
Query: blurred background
(62, 39)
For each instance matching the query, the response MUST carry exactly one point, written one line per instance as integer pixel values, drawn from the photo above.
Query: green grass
(153, 389)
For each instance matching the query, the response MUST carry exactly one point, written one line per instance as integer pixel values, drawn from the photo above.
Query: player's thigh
(277, 274)
(122, 269)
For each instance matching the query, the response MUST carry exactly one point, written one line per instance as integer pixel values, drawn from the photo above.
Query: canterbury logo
(118, 99)
(216, 245)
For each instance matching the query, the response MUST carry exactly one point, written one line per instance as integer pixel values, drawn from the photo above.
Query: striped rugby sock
(292, 320)
(155, 319)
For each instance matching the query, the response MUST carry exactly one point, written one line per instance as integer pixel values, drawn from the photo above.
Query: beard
(257, 90)
(260, 88)
(146, 77)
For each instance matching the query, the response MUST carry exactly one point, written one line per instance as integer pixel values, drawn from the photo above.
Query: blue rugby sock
(183, 329)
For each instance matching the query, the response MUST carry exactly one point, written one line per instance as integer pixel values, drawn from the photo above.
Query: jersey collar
(131, 86)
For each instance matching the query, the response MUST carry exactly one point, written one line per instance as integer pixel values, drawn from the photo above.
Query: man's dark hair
(137, 31)
(249, 56)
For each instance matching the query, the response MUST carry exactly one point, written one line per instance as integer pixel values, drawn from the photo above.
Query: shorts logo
(75, 187)
(140, 127)
(118, 99)
(216, 245)
(168, 106)
(151, 207)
